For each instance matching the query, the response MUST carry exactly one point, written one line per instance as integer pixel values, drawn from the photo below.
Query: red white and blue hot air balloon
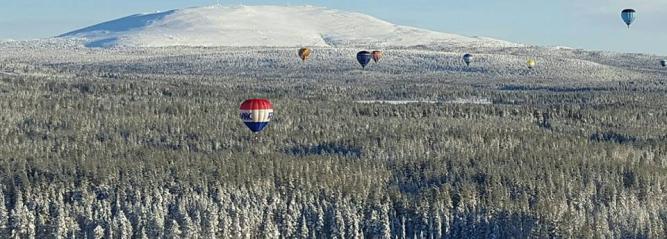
(256, 114)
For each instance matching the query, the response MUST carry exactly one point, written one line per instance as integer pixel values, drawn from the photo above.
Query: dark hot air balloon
(364, 57)
(629, 16)
(467, 58)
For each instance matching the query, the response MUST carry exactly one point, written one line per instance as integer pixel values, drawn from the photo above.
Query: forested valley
(147, 143)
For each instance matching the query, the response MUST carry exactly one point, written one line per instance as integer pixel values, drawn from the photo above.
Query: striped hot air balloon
(256, 114)
(629, 16)
(304, 53)
(377, 55)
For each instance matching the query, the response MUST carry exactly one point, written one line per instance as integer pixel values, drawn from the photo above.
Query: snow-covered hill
(270, 26)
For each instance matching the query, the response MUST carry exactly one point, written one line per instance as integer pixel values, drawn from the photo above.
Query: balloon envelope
(531, 63)
(629, 16)
(256, 113)
(304, 53)
(663, 63)
(364, 57)
(377, 55)
(467, 58)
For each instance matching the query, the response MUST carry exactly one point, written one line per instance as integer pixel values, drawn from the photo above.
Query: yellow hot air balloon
(531, 64)
(304, 53)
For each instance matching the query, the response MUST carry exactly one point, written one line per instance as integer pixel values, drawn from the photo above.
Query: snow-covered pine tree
(122, 228)
(173, 230)
(4, 214)
(19, 222)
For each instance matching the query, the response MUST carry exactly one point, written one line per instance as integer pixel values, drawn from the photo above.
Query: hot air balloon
(531, 64)
(467, 58)
(377, 55)
(663, 63)
(629, 16)
(256, 114)
(364, 57)
(304, 53)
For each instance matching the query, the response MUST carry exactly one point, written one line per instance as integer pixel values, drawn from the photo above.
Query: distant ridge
(270, 26)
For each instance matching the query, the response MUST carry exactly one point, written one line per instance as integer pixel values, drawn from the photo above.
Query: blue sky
(590, 24)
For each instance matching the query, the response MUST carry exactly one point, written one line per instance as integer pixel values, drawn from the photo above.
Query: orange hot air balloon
(377, 55)
(304, 53)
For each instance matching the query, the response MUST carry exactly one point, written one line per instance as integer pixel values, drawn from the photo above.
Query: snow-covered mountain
(270, 26)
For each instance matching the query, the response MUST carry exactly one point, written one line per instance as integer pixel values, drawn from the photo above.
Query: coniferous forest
(147, 143)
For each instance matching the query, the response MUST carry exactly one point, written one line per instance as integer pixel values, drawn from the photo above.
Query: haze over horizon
(591, 25)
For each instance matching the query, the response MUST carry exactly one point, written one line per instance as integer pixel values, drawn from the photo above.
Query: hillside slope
(269, 26)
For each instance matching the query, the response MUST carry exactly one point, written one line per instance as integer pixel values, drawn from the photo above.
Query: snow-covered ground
(243, 40)
(490, 65)
(475, 101)
(270, 26)
(396, 102)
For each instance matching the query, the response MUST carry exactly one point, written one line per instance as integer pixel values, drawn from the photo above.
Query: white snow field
(268, 26)
(240, 40)
(474, 101)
